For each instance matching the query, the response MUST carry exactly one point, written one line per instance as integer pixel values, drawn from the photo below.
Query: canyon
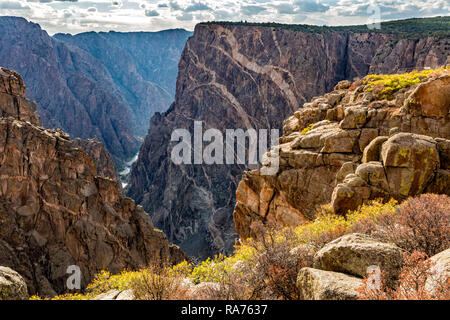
(237, 75)
(343, 143)
(103, 85)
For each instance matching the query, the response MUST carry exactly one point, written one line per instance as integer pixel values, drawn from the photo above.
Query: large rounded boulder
(315, 284)
(354, 253)
(12, 285)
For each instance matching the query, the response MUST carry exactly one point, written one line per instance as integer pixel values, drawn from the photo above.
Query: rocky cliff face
(235, 76)
(104, 162)
(143, 67)
(55, 211)
(356, 147)
(89, 85)
(13, 101)
(155, 54)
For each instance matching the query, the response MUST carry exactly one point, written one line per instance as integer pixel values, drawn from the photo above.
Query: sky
(75, 16)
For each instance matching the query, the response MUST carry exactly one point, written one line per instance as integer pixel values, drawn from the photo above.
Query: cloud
(117, 3)
(13, 5)
(174, 6)
(197, 7)
(75, 16)
(185, 17)
(299, 18)
(252, 10)
(48, 1)
(151, 13)
(41, 1)
(285, 8)
(311, 6)
(223, 14)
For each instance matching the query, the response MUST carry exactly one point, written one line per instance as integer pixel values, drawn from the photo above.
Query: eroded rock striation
(350, 146)
(235, 76)
(56, 211)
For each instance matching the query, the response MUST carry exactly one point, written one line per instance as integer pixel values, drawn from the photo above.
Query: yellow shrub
(329, 222)
(385, 85)
(223, 268)
(104, 281)
(182, 269)
(219, 268)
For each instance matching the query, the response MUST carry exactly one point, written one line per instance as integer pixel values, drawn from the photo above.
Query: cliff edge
(56, 211)
(385, 136)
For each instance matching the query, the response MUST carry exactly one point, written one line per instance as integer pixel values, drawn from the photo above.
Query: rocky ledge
(349, 146)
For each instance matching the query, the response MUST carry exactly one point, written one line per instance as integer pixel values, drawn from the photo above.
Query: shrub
(385, 85)
(105, 281)
(421, 223)
(158, 283)
(274, 274)
(328, 226)
(267, 268)
(218, 268)
(411, 283)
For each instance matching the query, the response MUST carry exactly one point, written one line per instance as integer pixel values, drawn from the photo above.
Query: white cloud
(185, 17)
(13, 5)
(136, 15)
(311, 6)
(252, 10)
(198, 7)
(285, 8)
(151, 13)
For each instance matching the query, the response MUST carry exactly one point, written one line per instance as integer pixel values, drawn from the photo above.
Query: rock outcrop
(115, 294)
(12, 285)
(409, 164)
(104, 162)
(439, 277)
(342, 264)
(56, 211)
(315, 284)
(235, 76)
(13, 101)
(353, 254)
(89, 85)
(350, 146)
